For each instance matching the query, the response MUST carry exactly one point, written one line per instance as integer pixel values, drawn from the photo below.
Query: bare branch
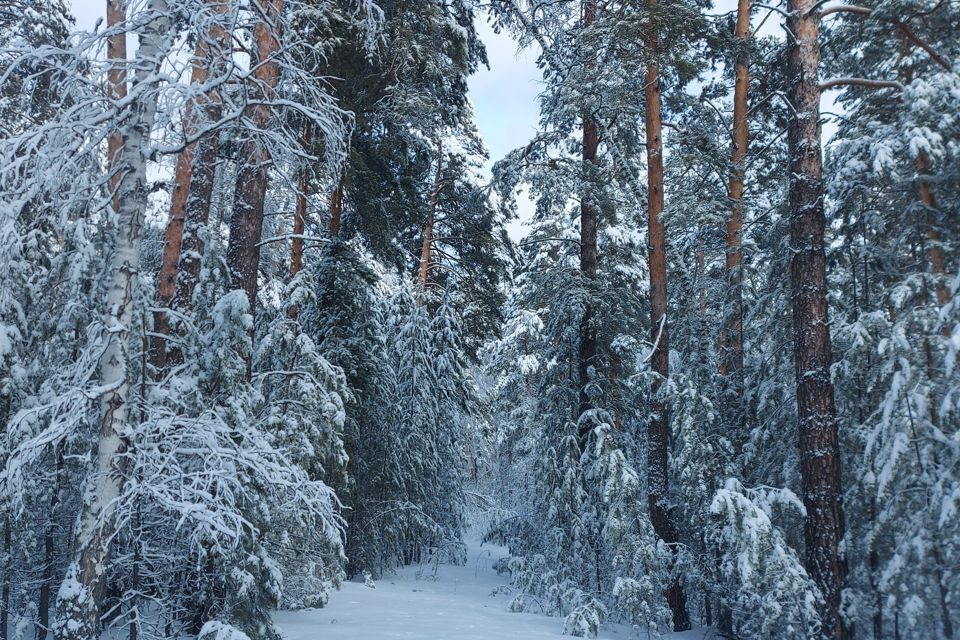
(860, 82)
(845, 8)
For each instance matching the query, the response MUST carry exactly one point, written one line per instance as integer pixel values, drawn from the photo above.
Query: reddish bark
(182, 183)
(731, 335)
(198, 208)
(426, 247)
(938, 265)
(336, 210)
(299, 221)
(246, 223)
(588, 349)
(818, 430)
(658, 430)
(300, 212)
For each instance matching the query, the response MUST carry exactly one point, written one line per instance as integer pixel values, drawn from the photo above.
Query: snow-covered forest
(266, 344)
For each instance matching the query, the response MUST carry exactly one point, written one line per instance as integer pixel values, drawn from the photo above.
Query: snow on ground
(435, 603)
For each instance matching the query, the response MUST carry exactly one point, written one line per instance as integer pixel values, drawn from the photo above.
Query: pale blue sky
(505, 105)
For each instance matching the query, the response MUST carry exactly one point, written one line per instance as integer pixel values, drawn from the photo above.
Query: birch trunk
(818, 431)
(80, 598)
(658, 430)
(117, 88)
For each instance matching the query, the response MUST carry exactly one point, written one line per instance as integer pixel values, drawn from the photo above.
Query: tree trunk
(5, 580)
(246, 224)
(300, 213)
(731, 335)
(182, 177)
(938, 269)
(49, 553)
(134, 613)
(818, 431)
(658, 431)
(731, 332)
(81, 597)
(588, 255)
(300, 221)
(938, 264)
(426, 248)
(336, 210)
(117, 89)
(198, 209)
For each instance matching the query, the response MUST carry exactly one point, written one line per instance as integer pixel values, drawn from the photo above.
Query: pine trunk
(818, 430)
(336, 210)
(299, 221)
(588, 255)
(939, 270)
(182, 177)
(81, 597)
(426, 247)
(938, 265)
(49, 553)
(198, 209)
(731, 335)
(246, 224)
(658, 431)
(300, 212)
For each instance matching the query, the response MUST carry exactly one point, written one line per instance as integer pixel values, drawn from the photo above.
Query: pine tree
(816, 414)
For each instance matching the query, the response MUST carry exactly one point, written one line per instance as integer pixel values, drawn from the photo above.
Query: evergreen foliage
(262, 329)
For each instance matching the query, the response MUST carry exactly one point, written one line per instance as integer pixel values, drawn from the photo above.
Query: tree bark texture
(588, 349)
(170, 263)
(117, 88)
(336, 210)
(81, 597)
(938, 264)
(731, 335)
(246, 224)
(818, 430)
(658, 429)
(300, 212)
(426, 248)
(49, 553)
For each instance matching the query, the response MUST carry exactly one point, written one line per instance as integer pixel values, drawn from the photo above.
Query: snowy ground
(413, 604)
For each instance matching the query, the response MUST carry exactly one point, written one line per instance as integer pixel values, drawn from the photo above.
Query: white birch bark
(81, 594)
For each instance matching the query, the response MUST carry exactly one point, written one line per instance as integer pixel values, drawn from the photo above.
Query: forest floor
(429, 602)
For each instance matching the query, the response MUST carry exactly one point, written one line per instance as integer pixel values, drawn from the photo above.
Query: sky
(87, 12)
(505, 105)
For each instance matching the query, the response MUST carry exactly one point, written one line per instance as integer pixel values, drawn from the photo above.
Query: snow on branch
(860, 82)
